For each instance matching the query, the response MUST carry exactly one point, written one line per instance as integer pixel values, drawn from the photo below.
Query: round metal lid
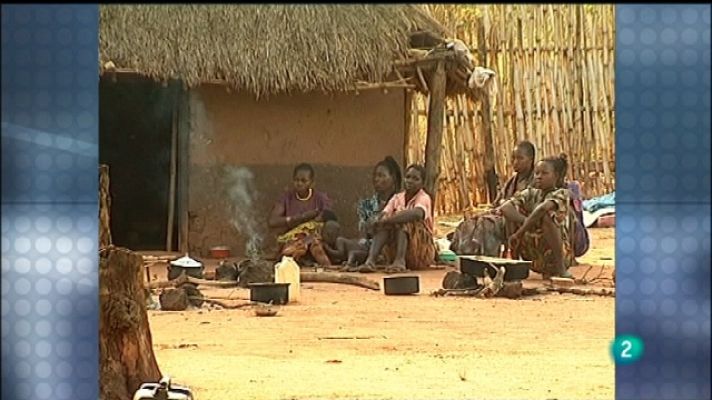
(186, 262)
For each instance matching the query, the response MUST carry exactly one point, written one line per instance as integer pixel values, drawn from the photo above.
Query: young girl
(541, 215)
(341, 249)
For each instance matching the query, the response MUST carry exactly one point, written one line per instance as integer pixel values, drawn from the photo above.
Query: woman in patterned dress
(404, 230)
(541, 215)
(387, 180)
(484, 233)
(299, 215)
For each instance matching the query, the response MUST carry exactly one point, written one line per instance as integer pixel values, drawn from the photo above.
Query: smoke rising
(241, 194)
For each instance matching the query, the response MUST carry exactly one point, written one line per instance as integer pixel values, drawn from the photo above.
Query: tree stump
(127, 358)
(104, 207)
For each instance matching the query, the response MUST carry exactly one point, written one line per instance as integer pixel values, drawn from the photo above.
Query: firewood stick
(217, 297)
(586, 291)
(183, 279)
(221, 303)
(457, 292)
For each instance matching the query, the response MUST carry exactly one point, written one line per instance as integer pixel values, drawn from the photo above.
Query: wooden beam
(434, 142)
(490, 172)
(384, 85)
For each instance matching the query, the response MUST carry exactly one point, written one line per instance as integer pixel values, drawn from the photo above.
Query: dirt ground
(346, 342)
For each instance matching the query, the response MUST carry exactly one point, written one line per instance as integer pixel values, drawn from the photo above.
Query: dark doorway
(135, 131)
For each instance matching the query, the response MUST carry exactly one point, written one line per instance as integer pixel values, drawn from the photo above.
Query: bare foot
(367, 267)
(396, 267)
(565, 274)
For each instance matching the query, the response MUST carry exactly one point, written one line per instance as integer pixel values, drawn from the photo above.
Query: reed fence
(554, 87)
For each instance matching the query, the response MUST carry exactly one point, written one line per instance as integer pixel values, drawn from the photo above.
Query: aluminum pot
(185, 265)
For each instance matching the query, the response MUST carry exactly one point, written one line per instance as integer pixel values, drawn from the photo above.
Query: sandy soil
(346, 342)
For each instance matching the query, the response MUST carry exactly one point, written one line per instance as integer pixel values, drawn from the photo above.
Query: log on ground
(305, 276)
(333, 277)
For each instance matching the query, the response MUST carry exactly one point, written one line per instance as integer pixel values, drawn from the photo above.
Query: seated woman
(484, 233)
(523, 158)
(387, 180)
(299, 216)
(404, 230)
(541, 215)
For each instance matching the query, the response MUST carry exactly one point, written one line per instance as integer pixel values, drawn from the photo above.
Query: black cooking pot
(176, 271)
(268, 292)
(514, 270)
(402, 284)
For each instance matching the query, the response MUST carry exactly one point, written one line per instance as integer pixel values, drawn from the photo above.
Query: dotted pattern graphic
(663, 195)
(50, 308)
(49, 103)
(663, 104)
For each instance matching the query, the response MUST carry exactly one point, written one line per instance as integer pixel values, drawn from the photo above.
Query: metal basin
(514, 270)
(401, 284)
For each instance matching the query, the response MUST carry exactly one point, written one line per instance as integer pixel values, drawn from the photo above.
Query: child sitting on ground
(339, 249)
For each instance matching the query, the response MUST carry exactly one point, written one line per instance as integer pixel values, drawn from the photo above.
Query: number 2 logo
(626, 347)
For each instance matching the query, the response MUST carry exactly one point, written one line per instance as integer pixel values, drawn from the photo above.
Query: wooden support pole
(490, 172)
(183, 167)
(434, 141)
(172, 182)
(104, 207)
(408, 125)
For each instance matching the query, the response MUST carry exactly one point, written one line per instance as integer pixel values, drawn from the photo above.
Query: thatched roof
(261, 48)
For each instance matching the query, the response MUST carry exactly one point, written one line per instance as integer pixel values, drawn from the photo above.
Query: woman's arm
(278, 220)
(502, 193)
(540, 210)
(405, 216)
(510, 213)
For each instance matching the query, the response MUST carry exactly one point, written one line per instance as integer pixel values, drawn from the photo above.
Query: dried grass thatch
(263, 49)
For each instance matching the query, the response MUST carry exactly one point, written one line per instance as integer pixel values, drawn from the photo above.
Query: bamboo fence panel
(554, 87)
